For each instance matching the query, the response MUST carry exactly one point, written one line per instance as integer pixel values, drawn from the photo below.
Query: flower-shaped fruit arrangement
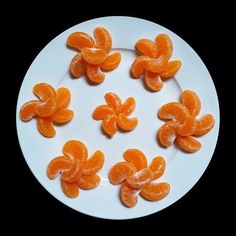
(76, 170)
(184, 124)
(136, 178)
(115, 114)
(49, 109)
(154, 62)
(93, 57)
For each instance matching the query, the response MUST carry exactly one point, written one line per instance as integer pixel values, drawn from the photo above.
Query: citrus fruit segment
(46, 108)
(44, 91)
(62, 98)
(188, 127)
(170, 69)
(88, 182)
(94, 74)
(103, 38)
(114, 101)
(62, 116)
(188, 143)
(204, 125)
(157, 65)
(158, 166)
(27, 110)
(77, 66)
(109, 125)
(126, 123)
(73, 174)
(139, 66)
(70, 189)
(164, 45)
(45, 127)
(111, 62)
(93, 56)
(102, 111)
(128, 195)
(153, 81)
(128, 106)
(147, 47)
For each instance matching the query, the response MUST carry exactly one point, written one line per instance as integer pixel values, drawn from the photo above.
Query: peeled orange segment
(46, 108)
(27, 110)
(103, 38)
(62, 116)
(79, 40)
(188, 143)
(188, 127)
(164, 45)
(93, 56)
(58, 165)
(140, 179)
(120, 171)
(70, 189)
(75, 150)
(45, 127)
(167, 133)
(173, 111)
(170, 69)
(44, 91)
(111, 62)
(94, 164)
(77, 66)
(114, 101)
(158, 166)
(157, 65)
(191, 100)
(136, 157)
(126, 123)
(128, 106)
(155, 191)
(73, 174)
(128, 195)
(109, 125)
(88, 182)
(63, 97)
(153, 81)
(139, 66)
(94, 74)
(204, 125)
(102, 111)
(147, 47)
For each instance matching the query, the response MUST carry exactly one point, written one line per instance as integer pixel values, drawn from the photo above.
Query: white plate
(51, 66)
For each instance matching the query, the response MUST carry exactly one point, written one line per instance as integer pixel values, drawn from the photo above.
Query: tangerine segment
(45, 127)
(73, 174)
(94, 74)
(94, 164)
(128, 106)
(27, 110)
(102, 111)
(164, 45)
(46, 108)
(88, 182)
(136, 157)
(109, 125)
(58, 165)
(188, 143)
(103, 38)
(114, 101)
(62, 116)
(77, 66)
(126, 123)
(155, 191)
(79, 40)
(158, 166)
(173, 111)
(157, 65)
(128, 195)
(171, 69)
(139, 66)
(63, 97)
(70, 189)
(191, 100)
(140, 179)
(153, 81)
(111, 62)
(93, 56)
(147, 47)
(120, 171)
(188, 127)
(44, 91)
(75, 150)
(204, 125)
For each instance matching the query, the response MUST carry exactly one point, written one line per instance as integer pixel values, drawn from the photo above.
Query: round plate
(51, 66)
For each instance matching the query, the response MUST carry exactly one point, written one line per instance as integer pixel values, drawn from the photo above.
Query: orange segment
(170, 69)
(102, 111)
(155, 191)
(153, 81)
(73, 174)
(75, 150)
(136, 157)
(27, 110)
(114, 101)
(45, 127)
(94, 164)
(126, 123)
(63, 97)
(128, 195)
(70, 189)
(191, 100)
(164, 45)
(88, 182)
(46, 108)
(58, 165)
(62, 116)
(77, 66)
(173, 111)
(157, 65)
(109, 125)
(79, 40)
(158, 166)
(120, 171)
(188, 127)
(103, 38)
(140, 179)
(188, 143)
(93, 56)
(111, 62)
(204, 125)
(139, 66)
(128, 106)
(147, 47)
(44, 91)
(94, 74)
